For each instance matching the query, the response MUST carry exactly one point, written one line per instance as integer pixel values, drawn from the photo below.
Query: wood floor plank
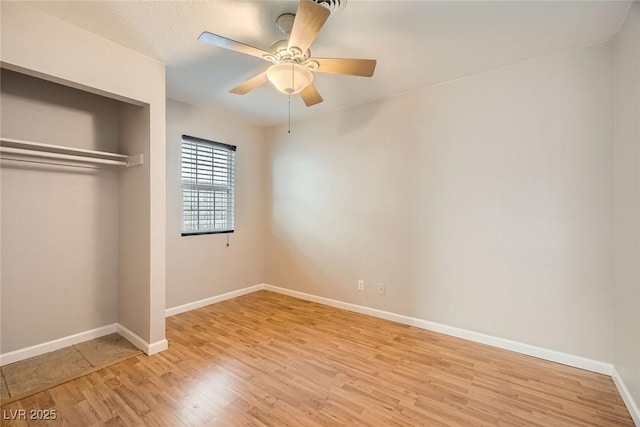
(266, 359)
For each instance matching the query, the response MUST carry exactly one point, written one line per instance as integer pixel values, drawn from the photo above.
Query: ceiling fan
(292, 66)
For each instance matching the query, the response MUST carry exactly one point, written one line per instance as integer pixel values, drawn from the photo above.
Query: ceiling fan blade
(310, 18)
(250, 84)
(310, 95)
(223, 42)
(352, 67)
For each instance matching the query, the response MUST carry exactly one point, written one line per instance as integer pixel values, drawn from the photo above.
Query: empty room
(320, 213)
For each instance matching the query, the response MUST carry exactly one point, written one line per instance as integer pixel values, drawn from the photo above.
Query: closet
(74, 216)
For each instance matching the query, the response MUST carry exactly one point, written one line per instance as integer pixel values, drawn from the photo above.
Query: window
(207, 186)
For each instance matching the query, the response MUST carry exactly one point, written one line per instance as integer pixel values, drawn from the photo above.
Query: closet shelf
(59, 152)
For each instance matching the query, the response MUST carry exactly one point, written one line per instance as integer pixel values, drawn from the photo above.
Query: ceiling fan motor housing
(332, 5)
(283, 54)
(285, 22)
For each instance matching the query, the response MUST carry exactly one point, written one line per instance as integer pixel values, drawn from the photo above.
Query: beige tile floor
(4, 392)
(39, 373)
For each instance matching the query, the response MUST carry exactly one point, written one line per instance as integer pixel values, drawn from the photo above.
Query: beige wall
(37, 44)
(133, 218)
(59, 224)
(200, 267)
(627, 202)
(483, 203)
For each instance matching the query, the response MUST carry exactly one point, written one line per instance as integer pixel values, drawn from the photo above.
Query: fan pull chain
(293, 84)
(289, 131)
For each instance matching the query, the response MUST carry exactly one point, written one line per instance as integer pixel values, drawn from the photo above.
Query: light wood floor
(267, 359)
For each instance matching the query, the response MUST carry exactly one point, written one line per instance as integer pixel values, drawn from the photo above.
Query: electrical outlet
(361, 285)
(381, 289)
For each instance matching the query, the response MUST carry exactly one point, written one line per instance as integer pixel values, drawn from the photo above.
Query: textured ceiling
(416, 43)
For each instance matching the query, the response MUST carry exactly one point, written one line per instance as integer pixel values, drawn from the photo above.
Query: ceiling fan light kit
(289, 78)
(293, 67)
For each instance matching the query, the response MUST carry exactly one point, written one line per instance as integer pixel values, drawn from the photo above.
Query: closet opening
(75, 216)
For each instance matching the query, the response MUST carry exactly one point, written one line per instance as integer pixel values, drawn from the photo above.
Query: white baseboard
(37, 350)
(632, 406)
(518, 347)
(157, 347)
(211, 300)
(142, 344)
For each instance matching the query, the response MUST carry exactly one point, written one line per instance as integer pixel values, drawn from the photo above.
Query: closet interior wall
(62, 227)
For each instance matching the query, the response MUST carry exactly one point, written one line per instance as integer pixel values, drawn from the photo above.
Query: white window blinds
(207, 186)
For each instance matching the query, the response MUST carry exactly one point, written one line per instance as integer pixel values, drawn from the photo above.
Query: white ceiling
(416, 43)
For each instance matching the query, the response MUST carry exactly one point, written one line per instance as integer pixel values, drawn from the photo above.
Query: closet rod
(37, 149)
(10, 150)
(53, 162)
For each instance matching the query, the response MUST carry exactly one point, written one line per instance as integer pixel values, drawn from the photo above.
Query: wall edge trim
(505, 344)
(211, 300)
(142, 344)
(157, 347)
(57, 344)
(502, 343)
(632, 406)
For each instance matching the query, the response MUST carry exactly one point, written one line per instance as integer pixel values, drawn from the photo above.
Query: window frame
(231, 174)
